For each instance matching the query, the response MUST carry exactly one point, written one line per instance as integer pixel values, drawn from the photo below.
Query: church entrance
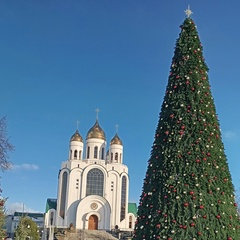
(93, 222)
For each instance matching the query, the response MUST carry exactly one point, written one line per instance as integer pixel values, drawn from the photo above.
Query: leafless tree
(5, 146)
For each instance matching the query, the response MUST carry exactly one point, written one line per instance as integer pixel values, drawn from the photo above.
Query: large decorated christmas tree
(188, 191)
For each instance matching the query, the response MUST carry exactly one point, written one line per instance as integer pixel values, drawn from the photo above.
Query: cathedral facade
(93, 186)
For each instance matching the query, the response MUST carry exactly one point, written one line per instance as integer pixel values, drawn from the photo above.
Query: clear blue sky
(60, 60)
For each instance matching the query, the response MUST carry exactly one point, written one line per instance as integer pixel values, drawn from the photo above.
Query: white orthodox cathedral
(93, 186)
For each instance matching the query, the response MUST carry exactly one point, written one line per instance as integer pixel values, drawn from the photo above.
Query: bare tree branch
(5, 146)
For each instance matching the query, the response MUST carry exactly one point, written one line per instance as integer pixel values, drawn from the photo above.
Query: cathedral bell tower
(76, 147)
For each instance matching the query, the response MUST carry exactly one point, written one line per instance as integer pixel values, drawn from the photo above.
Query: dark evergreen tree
(188, 191)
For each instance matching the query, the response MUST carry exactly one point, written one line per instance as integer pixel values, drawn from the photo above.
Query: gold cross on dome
(188, 11)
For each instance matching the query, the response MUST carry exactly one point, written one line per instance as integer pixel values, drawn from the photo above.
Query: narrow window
(123, 198)
(102, 153)
(63, 195)
(95, 152)
(111, 156)
(116, 157)
(75, 154)
(80, 155)
(130, 222)
(88, 152)
(51, 218)
(70, 154)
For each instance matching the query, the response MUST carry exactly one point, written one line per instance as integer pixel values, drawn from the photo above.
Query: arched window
(123, 198)
(102, 157)
(88, 152)
(75, 154)
(70, 154)
(95, 181)
(63, 195)
(120, 158)
(80, 155)
(116, 156)
(111, 156)
(95, 152)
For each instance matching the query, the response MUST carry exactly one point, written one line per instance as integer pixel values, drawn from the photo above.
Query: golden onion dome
(96, 132)
(116, 140)
(76, 137)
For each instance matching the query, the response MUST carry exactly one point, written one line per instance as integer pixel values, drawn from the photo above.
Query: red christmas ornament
(191, 192)
(229, 238)
(204, 216)
(158, 225)
(201, 207)
(218, 216)
(185, 204)
(192, 224)
(199, 233)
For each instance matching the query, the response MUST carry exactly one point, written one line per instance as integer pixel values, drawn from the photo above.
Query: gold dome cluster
(96, 132)
(116, 140)
(76, 137)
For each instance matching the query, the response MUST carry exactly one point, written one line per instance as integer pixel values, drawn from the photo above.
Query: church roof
(116, 140)
(132, 208)
(51, 204)
(96, 132)
(76, 137)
